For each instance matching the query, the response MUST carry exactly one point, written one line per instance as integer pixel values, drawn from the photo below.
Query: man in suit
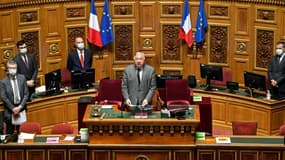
(14, 93)
(27, 66)
(81, 58)
(276, 72)
(139, 82)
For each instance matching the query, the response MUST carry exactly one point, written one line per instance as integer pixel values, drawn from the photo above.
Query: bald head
(139, 59)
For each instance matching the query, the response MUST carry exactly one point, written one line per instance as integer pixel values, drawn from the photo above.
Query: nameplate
(223, 140)
(197, 98)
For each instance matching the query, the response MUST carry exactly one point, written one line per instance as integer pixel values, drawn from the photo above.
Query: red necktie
(81, 59)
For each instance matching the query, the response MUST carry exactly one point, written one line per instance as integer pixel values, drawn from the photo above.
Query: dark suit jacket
(32, 71)
(7, 95)
(276, 71)
(131, 88)
(73, 60)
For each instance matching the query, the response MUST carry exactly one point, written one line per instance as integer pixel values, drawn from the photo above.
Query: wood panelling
(35, 154)
(7, 33)
(137, 155)
(241, 36)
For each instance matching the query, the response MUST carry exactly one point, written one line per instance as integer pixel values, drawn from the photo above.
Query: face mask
(279, 52)
(23, 50)
(12, 71)
(80, 45)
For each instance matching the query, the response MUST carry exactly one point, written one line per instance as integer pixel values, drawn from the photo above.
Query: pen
(103, 115)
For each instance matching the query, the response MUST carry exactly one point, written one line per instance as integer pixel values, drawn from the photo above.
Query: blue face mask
(279, 52)
(80, 45)
(12, 72)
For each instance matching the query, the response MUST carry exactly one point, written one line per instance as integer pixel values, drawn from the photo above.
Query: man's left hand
(145, 102)
(30, 83)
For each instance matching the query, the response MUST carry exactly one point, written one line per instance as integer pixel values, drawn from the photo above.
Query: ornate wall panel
(242, 19)
(265, 15)
(171, 9)
(32, 39)
(7, 34)
(53, 47)
(241, 46)
(123, 9)
(148, 16)
(118, 73)
(219, 11)
(28, 16)
(124, 42)
(75, 12)
(265, 46)
(52, 16)
(73, 31)
(218, 48)
(282, 21)
(148, 42)
(171, 50)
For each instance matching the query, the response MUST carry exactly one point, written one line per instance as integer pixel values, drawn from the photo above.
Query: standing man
(27, 66)
(14, 93)
(139, 82)
(81, 58)
(276, 72)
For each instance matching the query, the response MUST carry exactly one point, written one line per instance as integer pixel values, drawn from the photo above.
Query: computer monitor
(232, 86)
(211, 72)
(254, 81)
(160, 79)
(83, 79)
(53, 82)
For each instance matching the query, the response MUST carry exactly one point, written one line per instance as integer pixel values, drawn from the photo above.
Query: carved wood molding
(40, 2)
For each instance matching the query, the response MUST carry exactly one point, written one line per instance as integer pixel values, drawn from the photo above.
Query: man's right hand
(128, 102)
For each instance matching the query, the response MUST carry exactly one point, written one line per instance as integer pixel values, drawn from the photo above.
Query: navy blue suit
(73, 60)
(276, 71)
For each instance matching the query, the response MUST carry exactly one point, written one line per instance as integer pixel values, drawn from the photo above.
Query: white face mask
(12, 71)
(279, 52)
(80, 45)
(23, 50)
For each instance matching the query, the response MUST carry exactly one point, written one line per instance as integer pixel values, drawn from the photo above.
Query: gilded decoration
(72, 33)
(7, 53)
(264, 47)
(171, 72)
(147, 43)
(75, 13)
(124, 10)
(241, 47)
(265, 15)
(123, 42)
(218, 44)
(53, 48)
(219, 11)
(171, 10)
(118, 74)
(32, 40)
(171, 44)
(28, 17)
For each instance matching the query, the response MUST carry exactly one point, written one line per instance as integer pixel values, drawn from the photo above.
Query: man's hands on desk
(129, 103)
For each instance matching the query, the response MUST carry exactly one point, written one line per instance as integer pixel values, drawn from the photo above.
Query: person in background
(14, 93)
(81, 58)
(276, 72)
(27, 66)
(139, 82)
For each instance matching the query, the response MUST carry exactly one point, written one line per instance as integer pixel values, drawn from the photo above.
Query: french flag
(94, 35)
(185, 31)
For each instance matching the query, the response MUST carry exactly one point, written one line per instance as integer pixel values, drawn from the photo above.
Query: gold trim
(219, 5)
(245, 42)
(171, 3)
(132, 4)
(265, 8)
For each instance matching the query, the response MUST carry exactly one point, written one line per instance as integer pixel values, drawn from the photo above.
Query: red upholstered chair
(227, 76)
(244, 127)
(65, 77)
(177, 92)
(31, 127)
(109, 92)
(63, 128)
(282, 130)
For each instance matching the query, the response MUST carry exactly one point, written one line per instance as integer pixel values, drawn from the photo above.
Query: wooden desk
(227, 107)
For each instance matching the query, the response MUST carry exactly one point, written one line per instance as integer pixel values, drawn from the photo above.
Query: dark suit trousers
(10, 127)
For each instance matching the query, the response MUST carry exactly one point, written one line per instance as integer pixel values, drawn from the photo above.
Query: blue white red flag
(94, 35)
(185, 31)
